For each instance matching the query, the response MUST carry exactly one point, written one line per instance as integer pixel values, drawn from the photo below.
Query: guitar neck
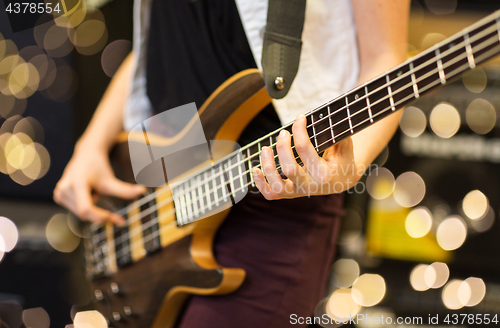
(228, 179)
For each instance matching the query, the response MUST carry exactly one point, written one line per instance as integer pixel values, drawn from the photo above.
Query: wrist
(84, 145)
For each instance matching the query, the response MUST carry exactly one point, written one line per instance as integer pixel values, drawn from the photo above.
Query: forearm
(107, 121)
(370, 142)
(382, 39)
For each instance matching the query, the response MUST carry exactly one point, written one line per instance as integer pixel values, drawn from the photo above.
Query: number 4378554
(33, 8)
(476, 319)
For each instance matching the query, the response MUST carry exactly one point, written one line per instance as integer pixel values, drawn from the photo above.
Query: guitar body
(151, 289)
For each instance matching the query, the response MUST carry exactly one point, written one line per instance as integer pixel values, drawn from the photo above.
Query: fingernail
(282, 133)
(264, 152)
(300, 116)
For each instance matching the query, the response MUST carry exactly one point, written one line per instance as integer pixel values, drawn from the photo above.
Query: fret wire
(440, 67)
(200, 192)
(390, 92)
(485, 55)
(216, 194)
(183, 205)
(194, 199)
(188, 201)
(368, 104)
(249, 159)
(207, 191)
(331, 125)
(231, 182)
(314, 132)
(178, 205)
(240, 173)
(348, 114)
(468, 48)
(223, 188)
(414, 82)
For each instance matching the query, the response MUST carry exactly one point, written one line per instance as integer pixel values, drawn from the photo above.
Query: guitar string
(454, 48)
(171, 212)
(456, 59)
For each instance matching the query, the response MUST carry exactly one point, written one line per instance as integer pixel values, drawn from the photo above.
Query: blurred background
(420, 234)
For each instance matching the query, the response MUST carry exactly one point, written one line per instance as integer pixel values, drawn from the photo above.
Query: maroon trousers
(286, 248)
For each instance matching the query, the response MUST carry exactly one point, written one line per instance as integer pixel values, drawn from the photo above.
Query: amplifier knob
(127, 311)
(114, 288)
(117, 316)
(98, 295)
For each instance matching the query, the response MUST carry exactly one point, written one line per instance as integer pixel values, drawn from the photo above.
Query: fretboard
(228, 180)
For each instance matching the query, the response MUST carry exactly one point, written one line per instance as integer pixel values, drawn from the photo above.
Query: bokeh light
(93, 319)
(22, 159)
(36, 318)
(49, 76)
(409, 189)
(431, 39)
(444, 120)
(475, 80)
(368, 289)
(56, 41)
(413, 121)
(341, 305)
(481, 116)
(440, 7)
(91, 35)
(418, 223)
(471, 291)
(9, 234)
(113, 55)
(450, 295)
(475, 204)
(417, 278)
(59, 234)
(2, 246)
(31, 127)
(485, 222)
(24, 80)
(451, 233)
(345, 272)
(436, 275)
(380, 183)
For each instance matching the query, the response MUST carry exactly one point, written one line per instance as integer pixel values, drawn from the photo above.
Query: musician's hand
(335, 172)
(87, 175)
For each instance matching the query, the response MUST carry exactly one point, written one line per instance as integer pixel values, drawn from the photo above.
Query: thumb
(120, 189)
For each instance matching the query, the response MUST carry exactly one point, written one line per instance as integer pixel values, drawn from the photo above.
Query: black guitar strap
(282, 45)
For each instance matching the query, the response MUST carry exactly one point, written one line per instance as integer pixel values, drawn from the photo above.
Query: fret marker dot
(399, 73)
(451, 45)
(320, 115)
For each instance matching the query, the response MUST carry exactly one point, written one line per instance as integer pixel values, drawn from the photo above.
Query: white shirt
(329, 63)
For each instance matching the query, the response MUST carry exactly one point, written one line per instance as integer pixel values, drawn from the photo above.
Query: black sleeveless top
(193, 47)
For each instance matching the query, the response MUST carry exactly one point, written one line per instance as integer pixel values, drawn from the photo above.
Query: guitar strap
(282, 45)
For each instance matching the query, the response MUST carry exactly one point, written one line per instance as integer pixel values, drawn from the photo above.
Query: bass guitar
(142, 273)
